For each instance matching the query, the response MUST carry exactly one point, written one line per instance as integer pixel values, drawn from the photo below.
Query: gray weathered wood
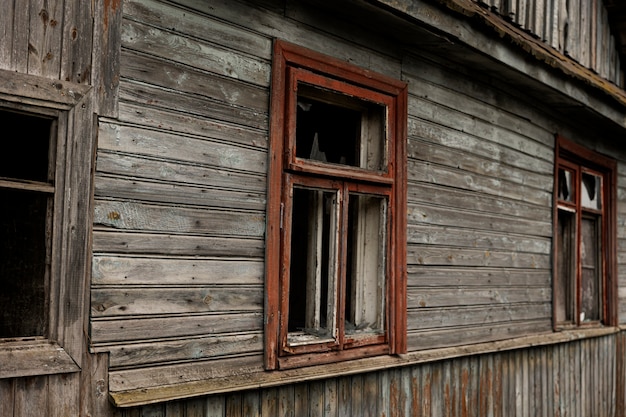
(169, 300)
(111, 330)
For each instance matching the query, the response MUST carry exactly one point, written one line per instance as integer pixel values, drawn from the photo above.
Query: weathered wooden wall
(179, 220)
(577, 28)
(573, 379)
(177, 286)
(54, 40)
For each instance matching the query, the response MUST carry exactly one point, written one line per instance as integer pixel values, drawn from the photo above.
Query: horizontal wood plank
(440, 338)
(420, 276)
(478, 239)
(431, 214)
(110, 241)
(115, 330)
(271, 22)
(439, 318)
(195, 124)
(162, 352)
(134, 216)
(503, 105)
(116, 270)
(177, 147)
(197, 25)
(194, 52)
(173, 300)
(467, 257)
(192, 104)
(134, 166)
(470, 296)
(426, 192)
(461, 159)
(451, 177)
(449, 135)
(489, 121)
(162, 192)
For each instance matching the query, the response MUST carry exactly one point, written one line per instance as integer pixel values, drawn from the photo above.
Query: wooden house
(312, 208)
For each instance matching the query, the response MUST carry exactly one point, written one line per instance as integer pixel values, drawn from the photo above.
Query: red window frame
(293, 65)
(578, 160)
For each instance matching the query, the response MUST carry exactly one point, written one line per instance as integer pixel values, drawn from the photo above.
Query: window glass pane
(334, 128)
(566, 261)
(591, 193)
(591, 269)
(566, 190)
(23, 250)
(365, 282)
(27, 156)
(313, 265)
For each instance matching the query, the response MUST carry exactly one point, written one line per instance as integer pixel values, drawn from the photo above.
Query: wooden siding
(180, 192)
(572, 379)
(49, 39)
(179, 217)
(577, 28)
(480, 192)
(181, 182)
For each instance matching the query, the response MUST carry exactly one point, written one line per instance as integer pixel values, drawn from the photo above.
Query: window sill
(30, 357)
(175, 388)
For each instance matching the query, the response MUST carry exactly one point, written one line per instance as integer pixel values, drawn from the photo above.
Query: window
(45, 195)
(336, 236)
(26, 205)
(585, 257)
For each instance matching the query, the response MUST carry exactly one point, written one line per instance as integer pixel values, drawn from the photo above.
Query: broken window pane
(566, 190)
(591, 191)
(334, 128)
(591, 273)
(313, 265)
(365, 282)
(566, 261)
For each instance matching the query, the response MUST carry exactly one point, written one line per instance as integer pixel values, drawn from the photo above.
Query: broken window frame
(344, 85)
(568, 286)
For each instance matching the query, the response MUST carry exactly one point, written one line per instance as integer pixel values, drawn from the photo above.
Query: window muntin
(584, 254)
(337, 289)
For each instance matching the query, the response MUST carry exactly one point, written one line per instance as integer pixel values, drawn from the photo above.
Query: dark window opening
(26, 149)
(313, 263)
(26, 197)
(338, 129)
